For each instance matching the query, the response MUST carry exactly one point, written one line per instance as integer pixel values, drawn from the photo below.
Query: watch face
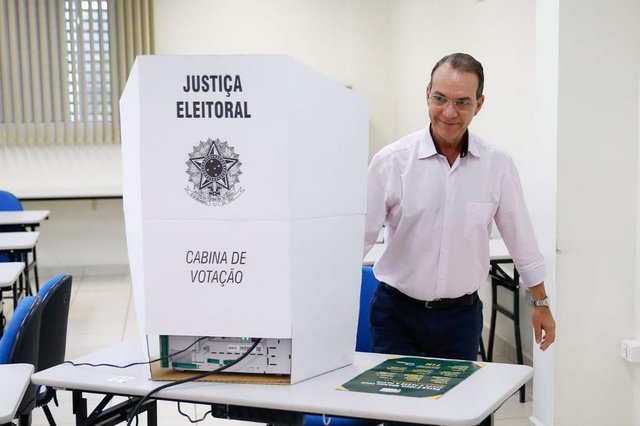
(543, 302)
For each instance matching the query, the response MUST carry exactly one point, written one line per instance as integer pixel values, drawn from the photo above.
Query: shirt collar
(429, 147)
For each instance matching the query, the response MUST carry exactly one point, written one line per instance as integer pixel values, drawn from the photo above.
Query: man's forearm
(538, 292)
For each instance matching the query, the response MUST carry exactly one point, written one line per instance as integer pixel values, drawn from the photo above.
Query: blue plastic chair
(19, 344)
(56, 298)
(367, 288)
(368, 285)
(55, 295)
(9, 202)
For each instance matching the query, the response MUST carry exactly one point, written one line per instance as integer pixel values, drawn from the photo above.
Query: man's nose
(449, 110)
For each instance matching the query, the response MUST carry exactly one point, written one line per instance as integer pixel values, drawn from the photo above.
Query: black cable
(189, 418)
(190, 379)
(88, 364)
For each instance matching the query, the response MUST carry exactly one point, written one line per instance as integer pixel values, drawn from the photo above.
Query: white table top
(9, 272)
(497, 251)
(18, 240)
(23, 217)
(14, 379)
(71, 192)
(466, 404)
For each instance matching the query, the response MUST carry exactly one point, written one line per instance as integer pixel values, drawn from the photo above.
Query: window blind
(63, 66)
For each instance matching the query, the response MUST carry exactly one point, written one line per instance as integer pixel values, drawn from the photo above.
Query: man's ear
(479, 104)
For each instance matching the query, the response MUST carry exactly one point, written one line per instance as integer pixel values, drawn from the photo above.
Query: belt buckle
(429, 304)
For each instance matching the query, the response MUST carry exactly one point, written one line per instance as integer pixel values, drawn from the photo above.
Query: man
(436, 192)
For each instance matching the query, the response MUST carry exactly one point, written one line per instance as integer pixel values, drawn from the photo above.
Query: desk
(468, 403)
(9, 274)
(373, 255)
(28, 218)
(18, 241)
(497, 252)
(16, 245)
(66, 194)
(14, 379)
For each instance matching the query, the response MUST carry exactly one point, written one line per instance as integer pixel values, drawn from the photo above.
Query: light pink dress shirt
(438, 218)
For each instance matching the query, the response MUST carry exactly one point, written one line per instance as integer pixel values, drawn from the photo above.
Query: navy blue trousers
(403, 327)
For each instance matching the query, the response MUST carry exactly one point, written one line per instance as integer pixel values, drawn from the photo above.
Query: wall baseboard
(81, 271)
(533, 421)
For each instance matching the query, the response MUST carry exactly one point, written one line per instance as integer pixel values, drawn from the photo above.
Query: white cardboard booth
(244, 199)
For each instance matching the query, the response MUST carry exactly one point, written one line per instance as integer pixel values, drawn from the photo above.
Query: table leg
(487, 422)
(79, 406)
(112, 415)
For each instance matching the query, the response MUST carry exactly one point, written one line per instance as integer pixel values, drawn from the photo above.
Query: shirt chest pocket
(478, 217)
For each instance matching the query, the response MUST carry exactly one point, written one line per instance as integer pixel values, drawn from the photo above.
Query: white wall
(635, 372)
(597, 219)
(346, 40)
(81, 237)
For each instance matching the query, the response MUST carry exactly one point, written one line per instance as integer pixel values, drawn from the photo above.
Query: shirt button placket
(446, 230)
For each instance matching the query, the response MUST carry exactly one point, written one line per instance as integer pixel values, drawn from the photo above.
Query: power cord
(88, 364)
(189, 418)
(134, 412)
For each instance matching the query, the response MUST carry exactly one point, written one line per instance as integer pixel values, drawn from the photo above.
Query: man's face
(450, 119)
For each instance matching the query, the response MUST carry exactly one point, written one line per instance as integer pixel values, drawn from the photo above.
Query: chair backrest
(56, 297)
(19, 343)
(9, 202)
(367, 287)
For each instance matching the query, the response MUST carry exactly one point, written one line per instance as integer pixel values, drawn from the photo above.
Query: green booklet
(415, 377)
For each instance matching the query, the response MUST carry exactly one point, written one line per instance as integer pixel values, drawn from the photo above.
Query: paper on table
(414, 377)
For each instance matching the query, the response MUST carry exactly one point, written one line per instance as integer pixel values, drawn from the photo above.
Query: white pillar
(544, 154)
(597, 141)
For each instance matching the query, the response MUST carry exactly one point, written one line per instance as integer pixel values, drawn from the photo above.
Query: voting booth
(244, 199)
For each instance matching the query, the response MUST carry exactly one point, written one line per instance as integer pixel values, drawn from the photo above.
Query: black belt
(466, 300)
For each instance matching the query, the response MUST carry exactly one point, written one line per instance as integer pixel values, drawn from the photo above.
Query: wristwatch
(540, 302)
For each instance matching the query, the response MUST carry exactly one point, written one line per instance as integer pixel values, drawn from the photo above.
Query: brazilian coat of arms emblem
(214, 173)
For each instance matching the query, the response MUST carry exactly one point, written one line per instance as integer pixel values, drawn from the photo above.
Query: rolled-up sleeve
(513, 222)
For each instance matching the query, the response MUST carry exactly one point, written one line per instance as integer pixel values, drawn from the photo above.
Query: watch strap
(540, 302)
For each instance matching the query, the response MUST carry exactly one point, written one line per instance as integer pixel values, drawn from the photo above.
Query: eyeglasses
(458, 104)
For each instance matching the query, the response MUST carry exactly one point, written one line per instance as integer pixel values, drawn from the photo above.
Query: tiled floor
(102, 313)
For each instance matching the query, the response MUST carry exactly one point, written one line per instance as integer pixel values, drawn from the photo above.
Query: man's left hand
(544, 327)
